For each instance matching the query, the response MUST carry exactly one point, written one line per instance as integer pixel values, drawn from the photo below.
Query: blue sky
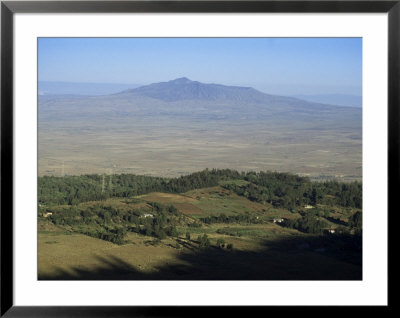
(285, 66)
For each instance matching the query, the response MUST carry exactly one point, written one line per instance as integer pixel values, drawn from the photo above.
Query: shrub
(204, 242)
(220, 243)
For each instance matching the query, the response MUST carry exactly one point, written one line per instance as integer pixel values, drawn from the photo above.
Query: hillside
(208, 225)
(183, 89)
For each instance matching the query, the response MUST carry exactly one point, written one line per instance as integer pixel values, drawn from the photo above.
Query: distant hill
(83, 89)
(333, 99)
(183, 89)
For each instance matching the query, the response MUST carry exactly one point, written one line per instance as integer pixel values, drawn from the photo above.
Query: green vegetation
(280, 189)
(204, 242)
(238, 218)
(184, 214)
(76, 189)
(307, 224)
(290, 191)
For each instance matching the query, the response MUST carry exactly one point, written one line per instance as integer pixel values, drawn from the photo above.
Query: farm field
(214, 234)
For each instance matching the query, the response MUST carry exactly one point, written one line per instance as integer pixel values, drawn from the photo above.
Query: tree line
(279, 189)
(291, 191)
(237, 218)
(72, 190)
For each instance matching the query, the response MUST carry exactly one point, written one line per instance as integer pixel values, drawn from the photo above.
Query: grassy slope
(261, 251)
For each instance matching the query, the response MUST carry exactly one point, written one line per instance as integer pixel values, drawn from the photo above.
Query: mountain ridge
(185, 89)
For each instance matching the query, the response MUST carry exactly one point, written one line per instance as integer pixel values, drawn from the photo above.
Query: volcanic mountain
(183, 89)
(180, 126)
(185, 98)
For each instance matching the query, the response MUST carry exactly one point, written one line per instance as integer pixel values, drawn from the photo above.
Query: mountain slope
(186, 99)
(183, 89)
(333, 99)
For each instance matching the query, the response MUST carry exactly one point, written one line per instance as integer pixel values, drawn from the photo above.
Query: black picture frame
(8, 8)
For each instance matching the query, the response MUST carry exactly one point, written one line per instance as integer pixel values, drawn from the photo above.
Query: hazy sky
(284, 66)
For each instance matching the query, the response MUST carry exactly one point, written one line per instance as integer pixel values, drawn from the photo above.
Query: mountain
(185, 98)
(183, 89)
(180, 126)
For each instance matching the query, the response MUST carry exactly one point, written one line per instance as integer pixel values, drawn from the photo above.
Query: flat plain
(171, 148)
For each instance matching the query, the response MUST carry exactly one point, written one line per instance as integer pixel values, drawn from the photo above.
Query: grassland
(154, 146)
(260, 250)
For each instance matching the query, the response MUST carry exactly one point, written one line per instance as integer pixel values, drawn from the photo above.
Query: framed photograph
(161, 155)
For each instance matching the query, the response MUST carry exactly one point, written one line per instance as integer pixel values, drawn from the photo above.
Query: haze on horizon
(281, 66)
(203, 103)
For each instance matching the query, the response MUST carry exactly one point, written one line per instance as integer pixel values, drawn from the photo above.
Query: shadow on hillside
(305, 258)
(337, 221)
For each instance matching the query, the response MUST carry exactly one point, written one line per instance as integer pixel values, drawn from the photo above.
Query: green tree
(204, 242)
(355, 221)
(220, 243)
